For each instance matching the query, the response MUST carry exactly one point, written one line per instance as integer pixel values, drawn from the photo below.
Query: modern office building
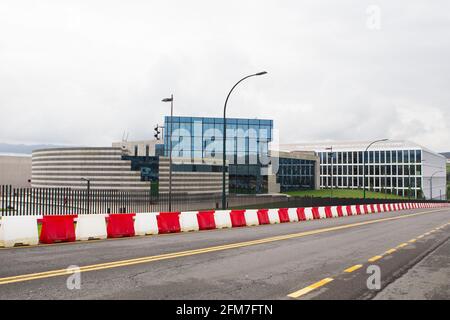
(399, 167)
(252, 169)
(197, 155)
(114, 168)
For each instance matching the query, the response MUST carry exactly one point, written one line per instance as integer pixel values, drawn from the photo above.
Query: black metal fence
(58, 201)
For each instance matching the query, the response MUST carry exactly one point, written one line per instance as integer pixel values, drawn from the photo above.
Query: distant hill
(6, 148)
(446, 154)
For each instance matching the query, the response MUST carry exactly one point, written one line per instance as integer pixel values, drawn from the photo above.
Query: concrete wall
(15, 170)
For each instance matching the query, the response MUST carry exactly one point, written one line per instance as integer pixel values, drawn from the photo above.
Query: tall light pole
(170, 149)
(224, 195)
(431, 183)
(364, 165)
(88, 193)
(332, 156)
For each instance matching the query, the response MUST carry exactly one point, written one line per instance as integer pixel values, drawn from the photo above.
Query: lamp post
(364, 164)
(332, 156)
(224, 196)
(88, 193)
(170, 149)
(431, 183)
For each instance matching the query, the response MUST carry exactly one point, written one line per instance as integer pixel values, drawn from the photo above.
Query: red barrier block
(390, 207)
(169, 222)
(283, 214)
(372, 208)
(379, 207)
(339, 211)
(301, 214)
(57, 229)
(358, 209)
(206, 220)
(365, 209)
(120, 225)
(386, 207)
(238, 218)
(315, 212)
(328, 212)
(263, 216)
(349, 210)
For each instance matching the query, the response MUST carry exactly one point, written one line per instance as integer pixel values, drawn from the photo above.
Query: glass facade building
(296, 174)
(391, 171)
(247, 142)
(398, 167)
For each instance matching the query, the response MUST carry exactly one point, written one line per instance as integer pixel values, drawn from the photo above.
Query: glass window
(411, 156)
(399, 156)
(418, 156)
(371, 156)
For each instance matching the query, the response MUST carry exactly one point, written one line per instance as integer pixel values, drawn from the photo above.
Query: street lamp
(332, 156)
(170, 149)
(224, 201)
(364, 164)
(88, 193)
(431, 183)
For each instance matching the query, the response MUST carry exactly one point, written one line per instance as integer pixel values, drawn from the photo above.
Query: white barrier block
(274, 217)
(188, 221)
(222, 219)
(353, 209)
(309, 214)
(18, 230)
(334, 212)
(293, 217)
(322, 213)
(146, 223)
(251, 217)
(91, 227)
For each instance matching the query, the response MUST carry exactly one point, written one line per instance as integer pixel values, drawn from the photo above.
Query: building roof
(353, 146)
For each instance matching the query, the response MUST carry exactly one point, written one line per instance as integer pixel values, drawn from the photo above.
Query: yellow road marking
(420, 237)
(122, 263)
(412, 240)
(391, 251)
(351, 269)
(404, 244)
(310, 288)
(375, 258)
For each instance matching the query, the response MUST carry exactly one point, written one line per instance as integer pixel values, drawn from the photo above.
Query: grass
(343, 193)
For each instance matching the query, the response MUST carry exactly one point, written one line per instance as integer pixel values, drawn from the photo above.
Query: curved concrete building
(65, 167)
(113, 168)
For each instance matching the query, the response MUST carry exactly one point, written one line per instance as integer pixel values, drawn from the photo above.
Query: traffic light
(157, 132)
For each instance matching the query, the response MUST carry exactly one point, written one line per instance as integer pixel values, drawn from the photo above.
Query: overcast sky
(83, 72)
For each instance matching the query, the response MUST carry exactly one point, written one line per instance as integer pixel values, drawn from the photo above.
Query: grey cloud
(83, 72)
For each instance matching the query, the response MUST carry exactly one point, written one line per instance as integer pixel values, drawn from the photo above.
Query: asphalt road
(266, 262)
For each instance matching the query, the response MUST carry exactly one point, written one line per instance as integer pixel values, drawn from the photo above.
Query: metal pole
(224, 196)
(88, 196)
(170, 153)
(332, 182)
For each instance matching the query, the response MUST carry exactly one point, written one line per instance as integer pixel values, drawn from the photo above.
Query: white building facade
(396, 167)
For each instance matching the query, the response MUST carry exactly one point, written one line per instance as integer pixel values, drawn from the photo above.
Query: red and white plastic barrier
(16, 230)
